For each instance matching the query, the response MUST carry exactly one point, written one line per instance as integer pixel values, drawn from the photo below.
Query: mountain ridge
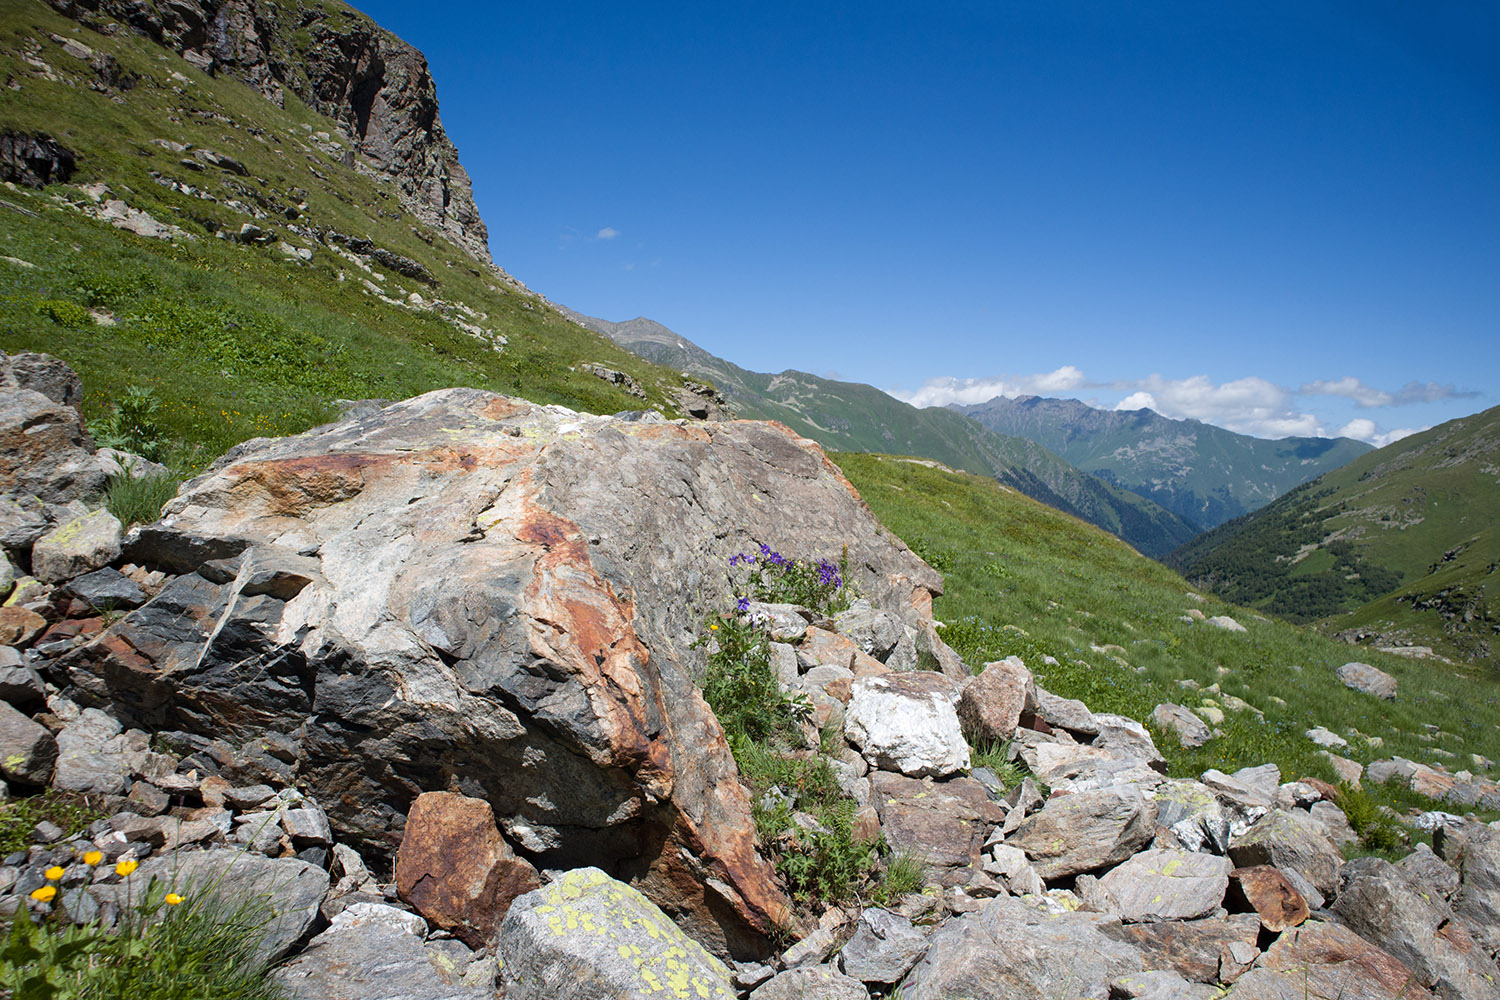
(852, 416)
(1205, 474)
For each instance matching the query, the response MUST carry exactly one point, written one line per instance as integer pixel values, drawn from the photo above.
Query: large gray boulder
(1011, 949)
(1320, 961)
(884, 947)
(1168, 885)
(588, 937)
(79, 546)
(1379, 904)
(44, 449)
(28, 750)
(467, 584)
(1074, 834)
(817, 983)
(1473, 850)
(942, 823)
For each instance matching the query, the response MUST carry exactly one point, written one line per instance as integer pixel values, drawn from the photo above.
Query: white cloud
(1350, 388)
(1137, 401)
(607, 233)
(968, 391)
(1364, 429)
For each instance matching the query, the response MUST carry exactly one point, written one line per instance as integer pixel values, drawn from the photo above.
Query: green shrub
(905, 873)
(65, 313)
(741, 686)
(138, 501)
(1377, 831)
(133, 425)
(17, 817)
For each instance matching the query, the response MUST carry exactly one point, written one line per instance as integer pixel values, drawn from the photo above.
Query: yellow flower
(44, 894)
(173, 899)
(93, 857)
(713, 628)
(127, 866)
(54, 873)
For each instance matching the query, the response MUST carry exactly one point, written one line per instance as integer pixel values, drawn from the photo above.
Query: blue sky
(1279, 217)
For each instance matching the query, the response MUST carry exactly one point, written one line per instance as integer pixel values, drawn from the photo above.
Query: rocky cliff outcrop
(342, 65)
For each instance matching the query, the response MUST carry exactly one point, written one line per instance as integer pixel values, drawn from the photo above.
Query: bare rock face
(353, 71)
(456, 869)
(469, 592)
(34, 160)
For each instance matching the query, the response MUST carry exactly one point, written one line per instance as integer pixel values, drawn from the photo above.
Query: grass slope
(1024, 579)
(242, 340)
(1202, 473)
(1401, 545)
(853, 416)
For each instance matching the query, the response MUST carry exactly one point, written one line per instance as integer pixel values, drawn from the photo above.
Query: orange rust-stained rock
(1270, 894)
(456, 870)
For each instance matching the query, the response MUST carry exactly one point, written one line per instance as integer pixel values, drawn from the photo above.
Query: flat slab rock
(942, 822)
(376, 952)
(1074, 834)
(1168, 885)
(1009, 948)
(586, 936)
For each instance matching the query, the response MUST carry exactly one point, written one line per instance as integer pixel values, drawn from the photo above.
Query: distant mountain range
(850, 416)
(1399, 547)
(1204, 474)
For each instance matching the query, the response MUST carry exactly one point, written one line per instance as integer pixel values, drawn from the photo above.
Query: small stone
(83, 544)
(18, 626)
(1367, 679)
(1270, 894)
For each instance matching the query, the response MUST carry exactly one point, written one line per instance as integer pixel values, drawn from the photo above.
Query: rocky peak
(342, 65)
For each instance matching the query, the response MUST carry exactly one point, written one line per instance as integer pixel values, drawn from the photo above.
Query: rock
(884, 947)
(785, 622)
(107, 588)
(1381, 906)
(1429, 873)
(20, 684)
(508, 592)
(817, 946)
(990, 707)
(1367, 679)
(817, 983)
(874, 632)
(34, 160)
(83, 544)
(1011, 949)
(907, 723)
(291, 890)
(1159, 985)
(1320, 961)
(944, 823)
(28, 750)
(1226, 623)
(1191, 732)
(18, 626)
(44, 450)
(1335, 823)
(1123, 738)
(1326, 739)
(1009, 864)
(1065, 713)
(1347, 770)
(1167, 885)
(1197, 950)
(1270, 894)
(1084, 832)
(91, 756)
(1290, 841)
(456, 870)
(823, 648)
(115, 463)
(376, 952)
(1191, 813)
(586, 936)
(1473, 850)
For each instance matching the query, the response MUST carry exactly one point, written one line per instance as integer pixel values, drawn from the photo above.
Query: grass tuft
(139, 501)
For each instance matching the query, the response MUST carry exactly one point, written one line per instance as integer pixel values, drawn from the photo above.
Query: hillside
(1202, 473)
(1397, 548)
(1124, 633)
(253, 229)
(852, 416)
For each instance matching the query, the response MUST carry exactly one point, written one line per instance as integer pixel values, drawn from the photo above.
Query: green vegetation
(19, 816)
(1026, 580)
(139, 501)
(804, 820)
(165, 947)
(1399, 544)
(234, 340)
